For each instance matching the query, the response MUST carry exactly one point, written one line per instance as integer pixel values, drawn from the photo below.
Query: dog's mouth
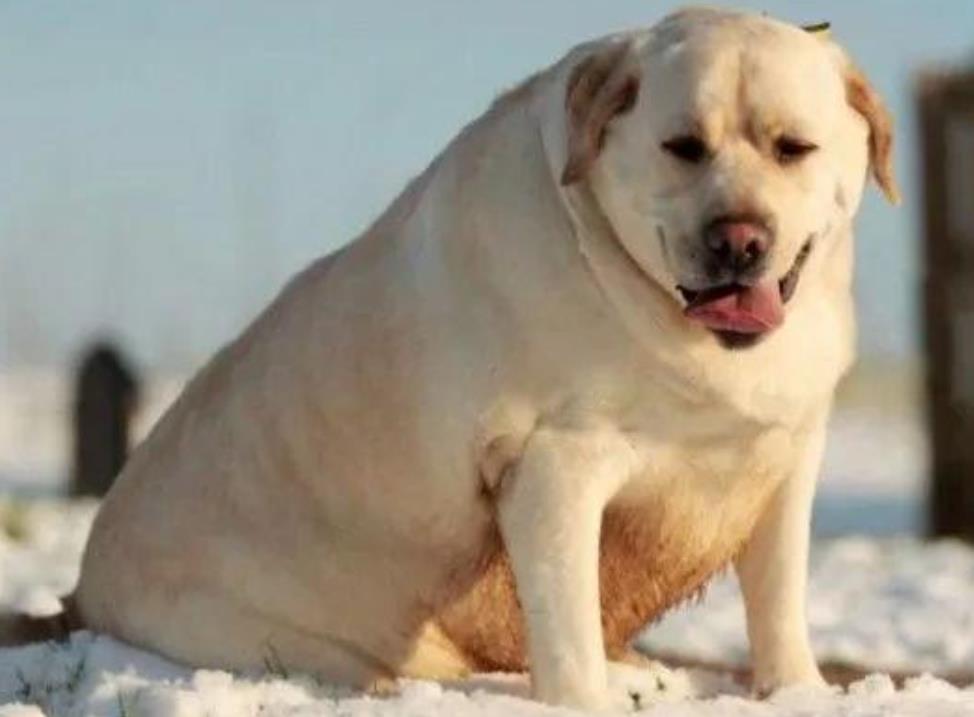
(741, 314)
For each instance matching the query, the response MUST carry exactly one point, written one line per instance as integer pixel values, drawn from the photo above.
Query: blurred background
(166, 166)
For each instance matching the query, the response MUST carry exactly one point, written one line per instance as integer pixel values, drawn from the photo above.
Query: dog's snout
(737, 244)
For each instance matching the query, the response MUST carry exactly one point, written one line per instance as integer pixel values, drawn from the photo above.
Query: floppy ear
(865, 100)
(600, 87)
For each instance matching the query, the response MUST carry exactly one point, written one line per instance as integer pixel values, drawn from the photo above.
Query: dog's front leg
(550, 514)
(773, 574)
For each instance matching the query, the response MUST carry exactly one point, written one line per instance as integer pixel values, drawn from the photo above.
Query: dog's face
(726, 149)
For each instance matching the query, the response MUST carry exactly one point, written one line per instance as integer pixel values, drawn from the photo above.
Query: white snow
(98, 676)
(40, 552)
(897, 603)
(875, 452)
(889, 603)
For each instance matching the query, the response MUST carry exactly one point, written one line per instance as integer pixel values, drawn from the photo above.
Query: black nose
(737, 245)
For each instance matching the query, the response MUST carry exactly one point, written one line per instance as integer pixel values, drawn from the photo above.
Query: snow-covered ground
(893, 604)
(887, 602)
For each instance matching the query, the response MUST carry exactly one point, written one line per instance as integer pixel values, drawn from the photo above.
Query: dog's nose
(738, 245)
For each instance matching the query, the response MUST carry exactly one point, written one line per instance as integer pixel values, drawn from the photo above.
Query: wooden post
(946, 104)
(106, 395)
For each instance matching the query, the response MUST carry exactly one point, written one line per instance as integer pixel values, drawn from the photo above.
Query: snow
(40, 552)
(886, 604)
(897, 604)
(873, 474)
(98, 676)
(889, 602)
(874, 451)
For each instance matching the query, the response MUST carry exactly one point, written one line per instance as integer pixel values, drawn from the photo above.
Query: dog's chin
(736, 340)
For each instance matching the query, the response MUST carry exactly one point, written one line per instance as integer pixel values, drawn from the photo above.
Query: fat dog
(581, 363)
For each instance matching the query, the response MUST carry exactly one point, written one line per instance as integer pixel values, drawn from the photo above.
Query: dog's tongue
(742, 309)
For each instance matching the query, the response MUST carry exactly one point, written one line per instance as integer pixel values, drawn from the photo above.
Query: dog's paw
(634, 688)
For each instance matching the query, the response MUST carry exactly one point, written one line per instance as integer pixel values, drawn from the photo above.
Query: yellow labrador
(583, 361)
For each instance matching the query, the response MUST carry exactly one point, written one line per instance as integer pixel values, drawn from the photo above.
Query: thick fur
(444, 446)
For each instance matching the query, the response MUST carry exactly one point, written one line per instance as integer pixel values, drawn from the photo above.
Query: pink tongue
(745, 310)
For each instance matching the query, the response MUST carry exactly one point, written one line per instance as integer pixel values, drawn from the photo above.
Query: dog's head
(726, 149)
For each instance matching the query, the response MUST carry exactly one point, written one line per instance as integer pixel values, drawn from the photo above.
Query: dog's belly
(653, 556)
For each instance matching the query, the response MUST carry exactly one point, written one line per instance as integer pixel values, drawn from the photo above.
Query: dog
(583, 362)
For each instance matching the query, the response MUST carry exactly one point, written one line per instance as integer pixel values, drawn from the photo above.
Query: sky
(167, 165)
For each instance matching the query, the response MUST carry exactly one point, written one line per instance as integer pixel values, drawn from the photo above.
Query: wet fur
(642, 575)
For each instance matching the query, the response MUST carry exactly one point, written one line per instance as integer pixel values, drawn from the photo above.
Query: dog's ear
(866, 101)
(600, 87)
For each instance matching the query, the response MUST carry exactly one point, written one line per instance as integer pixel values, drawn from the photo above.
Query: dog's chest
(663, 537)
(672, 529)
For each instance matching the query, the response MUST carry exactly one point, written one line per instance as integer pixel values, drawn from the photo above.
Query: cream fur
(501, 361)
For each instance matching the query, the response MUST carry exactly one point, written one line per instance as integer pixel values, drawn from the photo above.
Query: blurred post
(106, 396)
(946, 103)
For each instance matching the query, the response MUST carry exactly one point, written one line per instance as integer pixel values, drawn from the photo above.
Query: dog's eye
(687, 147)
(790, 149)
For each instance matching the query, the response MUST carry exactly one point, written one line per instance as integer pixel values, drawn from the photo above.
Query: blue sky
(166, 165)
